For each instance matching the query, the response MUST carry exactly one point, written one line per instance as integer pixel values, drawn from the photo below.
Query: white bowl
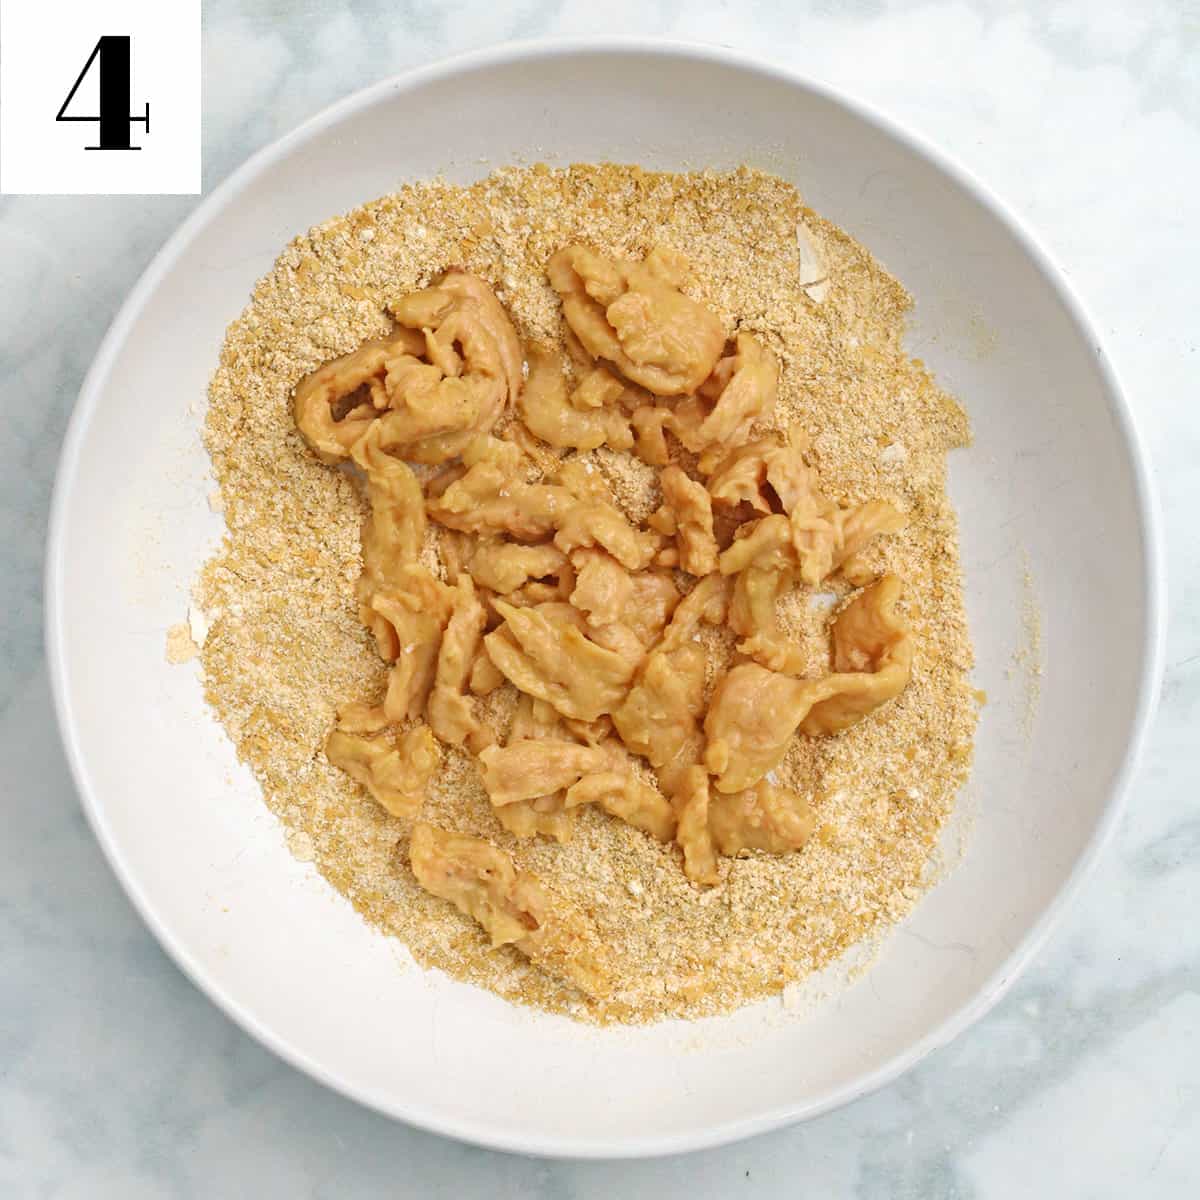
(1055, 482)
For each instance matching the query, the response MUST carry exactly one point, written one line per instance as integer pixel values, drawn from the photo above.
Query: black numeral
(111, 55)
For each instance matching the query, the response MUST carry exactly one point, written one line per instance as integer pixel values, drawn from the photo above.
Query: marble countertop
(119, 1079)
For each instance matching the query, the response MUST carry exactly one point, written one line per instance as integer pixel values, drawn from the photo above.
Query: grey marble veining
(118, 1079)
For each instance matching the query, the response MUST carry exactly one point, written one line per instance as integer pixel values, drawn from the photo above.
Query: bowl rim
(1152, 634)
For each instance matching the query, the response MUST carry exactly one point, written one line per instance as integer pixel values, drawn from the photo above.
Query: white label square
(133, 123)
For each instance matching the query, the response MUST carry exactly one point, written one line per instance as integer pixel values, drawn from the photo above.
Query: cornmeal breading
(287, 644)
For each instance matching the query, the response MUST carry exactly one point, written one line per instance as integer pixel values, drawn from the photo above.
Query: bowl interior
(1052, 512)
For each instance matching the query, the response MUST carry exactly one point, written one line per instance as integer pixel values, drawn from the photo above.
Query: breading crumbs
(286, 645)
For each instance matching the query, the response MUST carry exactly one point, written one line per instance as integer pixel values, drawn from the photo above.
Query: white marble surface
(118, 1079)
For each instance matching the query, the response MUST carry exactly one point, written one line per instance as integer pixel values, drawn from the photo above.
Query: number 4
(114, 119)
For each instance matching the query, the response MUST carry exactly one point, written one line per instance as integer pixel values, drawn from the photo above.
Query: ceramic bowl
(1057, 528)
